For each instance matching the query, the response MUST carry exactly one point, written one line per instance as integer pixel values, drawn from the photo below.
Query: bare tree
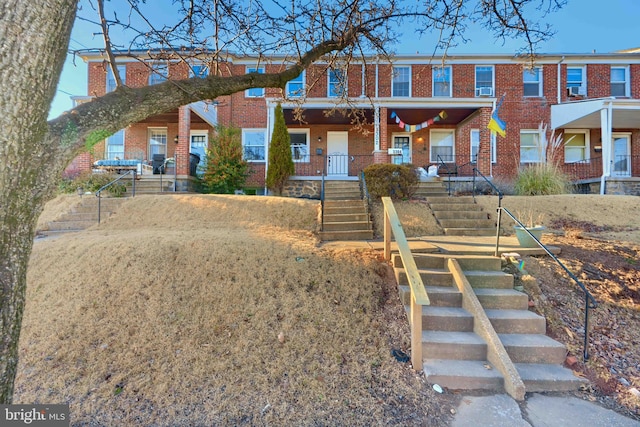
(33, 47)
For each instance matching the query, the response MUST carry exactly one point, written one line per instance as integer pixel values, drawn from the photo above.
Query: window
(255, 92)
(157, 141)
(484, 81)
(575, 78)
(576, 145)
(475, 146)
(199, 70)
(159, 73)
(401, 81)
(532, 79)
(198, 145)
(619, 81)
(295, 87)
(530, 149)
(115, 146)
(442, 146)
(111, 81)
(441, 81)
(253, 144)
(299, 145)
(337, 83)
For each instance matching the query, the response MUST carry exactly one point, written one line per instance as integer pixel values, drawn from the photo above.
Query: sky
(582, 26)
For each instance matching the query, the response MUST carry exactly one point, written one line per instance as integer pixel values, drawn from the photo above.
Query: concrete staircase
(455, 356)
(151, 184)
(345, 213)
(84, 215)
(457, 215)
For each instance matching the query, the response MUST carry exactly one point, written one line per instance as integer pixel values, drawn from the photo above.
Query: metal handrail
(104, 187)
(365, 196)
(442, 163)
(590, 301)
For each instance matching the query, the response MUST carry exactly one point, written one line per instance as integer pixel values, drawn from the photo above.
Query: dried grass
(170, 313)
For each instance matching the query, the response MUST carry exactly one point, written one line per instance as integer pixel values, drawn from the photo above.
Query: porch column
(182, 148)
(484, 149)
(605, 133)
(380, 150)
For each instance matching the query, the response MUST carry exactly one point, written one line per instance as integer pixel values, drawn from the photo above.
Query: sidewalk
(537, 410)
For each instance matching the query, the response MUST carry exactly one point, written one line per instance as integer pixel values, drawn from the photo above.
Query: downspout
(377, 64)
(560, 80)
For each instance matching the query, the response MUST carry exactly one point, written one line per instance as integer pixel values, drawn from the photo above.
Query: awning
(586, 114)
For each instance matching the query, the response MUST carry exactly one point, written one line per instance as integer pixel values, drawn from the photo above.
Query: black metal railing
(331, 164)
(366, 198)
(590, 301)
(104, 187)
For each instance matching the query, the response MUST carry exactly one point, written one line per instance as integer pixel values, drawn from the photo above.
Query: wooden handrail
(419, 295)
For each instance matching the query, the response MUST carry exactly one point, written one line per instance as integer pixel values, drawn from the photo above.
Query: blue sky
(582, 26)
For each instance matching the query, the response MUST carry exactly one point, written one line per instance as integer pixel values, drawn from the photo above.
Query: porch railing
(590, 301)
(583, 169)
(331, 164)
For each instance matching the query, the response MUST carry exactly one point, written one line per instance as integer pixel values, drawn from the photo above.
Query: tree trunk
(33, 45)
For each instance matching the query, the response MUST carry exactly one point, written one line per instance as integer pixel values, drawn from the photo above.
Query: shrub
(541, 179)
(89, 181)
(226, 169)
(281, 165)
(396, 181)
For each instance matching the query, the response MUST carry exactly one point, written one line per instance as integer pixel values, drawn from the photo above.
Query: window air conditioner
(574, 90)
(484, 91)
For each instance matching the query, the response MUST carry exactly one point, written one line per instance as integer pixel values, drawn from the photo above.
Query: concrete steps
(345, 215)
(454, 356)
(152, 184)
(83, 215)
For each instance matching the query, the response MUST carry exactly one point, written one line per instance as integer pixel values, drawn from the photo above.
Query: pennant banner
(412, 128)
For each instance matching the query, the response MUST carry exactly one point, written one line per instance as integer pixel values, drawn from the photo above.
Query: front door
(198, 145)
(403, 142)
(338, 153)
(620, 158)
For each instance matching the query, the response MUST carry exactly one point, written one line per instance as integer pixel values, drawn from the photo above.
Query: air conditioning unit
(484, 91)
(574, 90)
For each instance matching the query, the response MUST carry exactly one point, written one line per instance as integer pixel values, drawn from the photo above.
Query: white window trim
(157, 128)
(492, 142)
(587, 144)
(345, 86)
(259, 70)
(303, 89)
(433, 81)
(627, 81)
(530, 131)
(453, 143)
(540, 83)
(198, 132)
(153, 73)
(124, 143)
(307, 131)
(265, 142)
(583, 83)
(403, 135)
(410, 80)
(493, 79)
(123, 76)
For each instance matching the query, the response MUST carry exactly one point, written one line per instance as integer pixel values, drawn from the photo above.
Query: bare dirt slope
(223, 310)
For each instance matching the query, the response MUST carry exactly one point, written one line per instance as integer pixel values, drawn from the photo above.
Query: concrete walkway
(537, 410)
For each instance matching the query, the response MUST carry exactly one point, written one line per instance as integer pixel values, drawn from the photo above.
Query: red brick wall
(598, 80)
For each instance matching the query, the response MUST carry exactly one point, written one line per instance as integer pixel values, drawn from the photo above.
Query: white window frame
(539, 82)
(150, 131)
(530, 148)
(336, 87)
(582, 84)
(433, 143)
(409, 158)
(478, 85)
(437, 70)
(626, 80)
(395, 74)
(471, 142)
(586, 148)
(254, 131)
(292, 90)
(111, 81)
(303, 152)
(108, 154)
(256, 92)
(156, 73)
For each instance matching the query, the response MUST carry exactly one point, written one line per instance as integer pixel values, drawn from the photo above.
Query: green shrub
(395, 181)
(541, 179)
(92, 182)
(226, 170)
(281, 165)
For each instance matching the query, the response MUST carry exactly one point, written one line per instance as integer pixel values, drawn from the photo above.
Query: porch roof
(586, 114)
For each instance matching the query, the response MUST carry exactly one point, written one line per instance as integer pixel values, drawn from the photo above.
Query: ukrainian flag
(496, 124)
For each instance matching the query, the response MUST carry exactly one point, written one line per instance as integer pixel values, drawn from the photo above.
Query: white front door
(403, 142)
(338, 153)
(620, 158)
(199, 144)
